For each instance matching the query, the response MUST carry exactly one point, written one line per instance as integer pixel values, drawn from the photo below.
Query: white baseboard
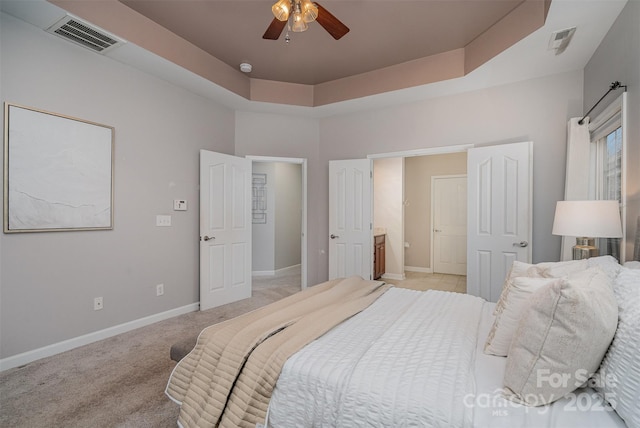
(288, 269)
(66, 345)
(396, 276)
(418, 269)
(263, 273)
(282, 271)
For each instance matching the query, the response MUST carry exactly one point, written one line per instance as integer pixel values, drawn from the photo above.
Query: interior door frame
(433, 179)
(442, 150)
(303, 242)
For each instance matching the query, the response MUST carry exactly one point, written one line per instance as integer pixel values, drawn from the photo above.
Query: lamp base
(585, 248)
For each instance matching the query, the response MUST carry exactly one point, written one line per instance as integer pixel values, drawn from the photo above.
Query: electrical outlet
(163, 220)
(159, 289)
(97, 303)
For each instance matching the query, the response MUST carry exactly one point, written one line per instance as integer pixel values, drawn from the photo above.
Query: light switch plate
(179, 205)
(163, 220)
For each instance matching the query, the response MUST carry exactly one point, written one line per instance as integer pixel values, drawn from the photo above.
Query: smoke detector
(560, 39)
(245, 67)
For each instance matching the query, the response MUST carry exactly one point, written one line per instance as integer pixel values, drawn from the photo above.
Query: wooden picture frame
(58, 172)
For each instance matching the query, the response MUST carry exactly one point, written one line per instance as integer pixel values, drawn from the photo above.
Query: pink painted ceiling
(391, 45)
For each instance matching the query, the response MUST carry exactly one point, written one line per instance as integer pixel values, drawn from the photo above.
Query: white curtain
(576, 187)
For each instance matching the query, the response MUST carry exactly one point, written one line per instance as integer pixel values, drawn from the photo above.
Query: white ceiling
(527, 59)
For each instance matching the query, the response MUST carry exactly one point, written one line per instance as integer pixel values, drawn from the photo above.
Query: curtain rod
(614, 85)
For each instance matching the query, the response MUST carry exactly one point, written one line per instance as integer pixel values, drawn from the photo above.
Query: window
(608, 153)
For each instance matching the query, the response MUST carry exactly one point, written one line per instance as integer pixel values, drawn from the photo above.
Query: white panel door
(449, 208)
(499, 214)
(225, 229)
(350, 247)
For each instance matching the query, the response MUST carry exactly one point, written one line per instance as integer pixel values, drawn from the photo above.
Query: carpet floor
(119, 381)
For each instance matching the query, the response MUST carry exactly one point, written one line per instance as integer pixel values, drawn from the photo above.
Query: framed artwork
(58, 172)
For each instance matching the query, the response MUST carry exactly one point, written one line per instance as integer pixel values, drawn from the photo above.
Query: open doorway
(278, 224)
(405, 208)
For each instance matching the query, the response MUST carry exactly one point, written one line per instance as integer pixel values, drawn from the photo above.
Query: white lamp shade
(593, 219)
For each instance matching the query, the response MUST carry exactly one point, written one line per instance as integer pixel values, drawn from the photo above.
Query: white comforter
(408, 360)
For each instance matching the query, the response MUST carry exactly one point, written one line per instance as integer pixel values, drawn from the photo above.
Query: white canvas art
(58, 170)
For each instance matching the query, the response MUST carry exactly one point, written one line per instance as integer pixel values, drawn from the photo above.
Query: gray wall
(618, 58)
(535, 110)
(264, 134)
(288, 218)
(263, 234)
(276, 243)
(48, 280)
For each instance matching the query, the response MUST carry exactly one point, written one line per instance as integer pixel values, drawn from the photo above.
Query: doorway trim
(423, 152)
(303, 242)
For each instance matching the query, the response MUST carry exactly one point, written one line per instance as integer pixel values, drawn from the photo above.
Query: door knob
(520, 244)
(334, 236)
(437, 230)
(206, 238)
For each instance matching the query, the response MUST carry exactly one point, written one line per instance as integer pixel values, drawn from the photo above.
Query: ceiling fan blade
(330, 23)
(274, 30)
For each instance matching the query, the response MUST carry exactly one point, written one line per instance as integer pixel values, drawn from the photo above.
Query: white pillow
(561, 269)
(540, 270)
(506, 322)
(632, 265)
(561, 338)
(618, 379)
(518, 269)
(608, 264)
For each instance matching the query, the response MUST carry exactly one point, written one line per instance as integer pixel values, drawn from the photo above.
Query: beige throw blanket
(228, 378)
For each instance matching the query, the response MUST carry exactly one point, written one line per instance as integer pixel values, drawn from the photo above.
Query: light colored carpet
(120, 381)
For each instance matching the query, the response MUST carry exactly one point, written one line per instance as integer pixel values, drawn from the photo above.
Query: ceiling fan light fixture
(309, 11)
(296, 14)
(281, 9)
(298, 25)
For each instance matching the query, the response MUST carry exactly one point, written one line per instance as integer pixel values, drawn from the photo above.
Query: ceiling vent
(560, 39)
(85, 34)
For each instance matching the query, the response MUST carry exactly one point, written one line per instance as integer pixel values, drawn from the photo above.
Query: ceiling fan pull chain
(287, 38)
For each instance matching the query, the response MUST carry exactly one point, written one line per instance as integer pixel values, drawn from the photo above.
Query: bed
(391, 358)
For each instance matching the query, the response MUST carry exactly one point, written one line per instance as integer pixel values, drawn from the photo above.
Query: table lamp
(587, 220)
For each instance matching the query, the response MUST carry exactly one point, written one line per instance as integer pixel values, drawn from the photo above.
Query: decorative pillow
(618, 380)
(608, 264)
(518, 269)
(561, 269)
(506, 322)
(541, 270)
(561, 338)
(632, 265)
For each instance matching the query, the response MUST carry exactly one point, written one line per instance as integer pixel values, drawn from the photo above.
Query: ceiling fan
(300, 13)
